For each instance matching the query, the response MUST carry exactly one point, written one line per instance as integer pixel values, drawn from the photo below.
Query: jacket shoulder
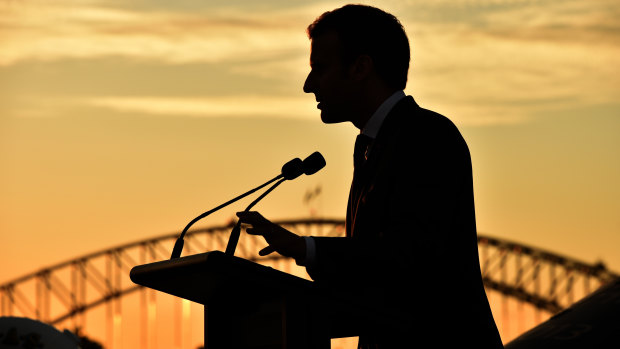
(412, 123)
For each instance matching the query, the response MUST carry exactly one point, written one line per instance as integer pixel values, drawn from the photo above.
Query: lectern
(248, 305)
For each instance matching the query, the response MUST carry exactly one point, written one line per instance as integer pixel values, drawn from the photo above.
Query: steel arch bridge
(519, 280)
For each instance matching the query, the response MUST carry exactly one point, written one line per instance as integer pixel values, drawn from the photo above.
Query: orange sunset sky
(122, 120)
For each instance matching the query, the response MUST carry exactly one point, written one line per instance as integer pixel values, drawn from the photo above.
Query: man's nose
(308, 84)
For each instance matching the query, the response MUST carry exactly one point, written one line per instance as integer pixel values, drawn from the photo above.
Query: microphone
(293, 169)
(309, 166)
(313, 163)
(290, 170)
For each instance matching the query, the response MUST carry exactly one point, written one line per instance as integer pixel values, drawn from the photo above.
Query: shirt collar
(376, 120)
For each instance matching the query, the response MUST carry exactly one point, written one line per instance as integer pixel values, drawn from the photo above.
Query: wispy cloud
(52, 31)
(481, 61)
(510, 61)
(233, 106)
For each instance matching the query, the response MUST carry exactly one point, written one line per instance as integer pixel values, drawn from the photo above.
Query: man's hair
(368, 30)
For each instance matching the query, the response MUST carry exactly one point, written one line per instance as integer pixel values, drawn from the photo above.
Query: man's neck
(370, 104)
(374, 123)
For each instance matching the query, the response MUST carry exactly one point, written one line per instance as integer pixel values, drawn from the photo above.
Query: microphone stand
(236, 232)
(178, 245)
(290, 170)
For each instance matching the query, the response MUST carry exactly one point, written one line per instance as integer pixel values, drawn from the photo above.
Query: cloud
(482, 61)
(510, 63)
(230, 106)
(53, 31)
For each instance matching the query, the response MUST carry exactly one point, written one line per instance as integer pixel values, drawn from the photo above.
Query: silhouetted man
(410, 247)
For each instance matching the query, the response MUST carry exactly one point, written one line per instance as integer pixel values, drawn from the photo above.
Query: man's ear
(361, 67)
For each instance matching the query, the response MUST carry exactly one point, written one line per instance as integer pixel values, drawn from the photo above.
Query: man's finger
(252, 217)
(253, 231)
(265, 251)
(263, 231)
(250, 214)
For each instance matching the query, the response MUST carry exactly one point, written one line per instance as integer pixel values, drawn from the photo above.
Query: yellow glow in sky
(124, 120)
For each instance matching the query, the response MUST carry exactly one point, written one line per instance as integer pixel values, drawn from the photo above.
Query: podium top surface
(202, 277)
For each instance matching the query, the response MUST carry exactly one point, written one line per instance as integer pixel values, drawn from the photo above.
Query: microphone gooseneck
(310, 165)
(236, 232)
(178, 245)
(290, 170)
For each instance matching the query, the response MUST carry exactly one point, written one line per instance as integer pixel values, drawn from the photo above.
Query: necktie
(359, 156)
(361, 147)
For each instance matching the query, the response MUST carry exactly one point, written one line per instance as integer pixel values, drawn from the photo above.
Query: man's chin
(330, 118)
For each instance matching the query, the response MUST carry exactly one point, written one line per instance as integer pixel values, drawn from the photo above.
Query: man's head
(355, 48)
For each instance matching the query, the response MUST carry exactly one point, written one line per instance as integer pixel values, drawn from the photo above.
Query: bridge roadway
(67, 291)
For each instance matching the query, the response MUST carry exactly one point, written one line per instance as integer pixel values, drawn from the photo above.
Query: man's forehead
(325, 45)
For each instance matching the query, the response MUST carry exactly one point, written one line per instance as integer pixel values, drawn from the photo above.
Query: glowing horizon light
(241, 106)
(124, 119)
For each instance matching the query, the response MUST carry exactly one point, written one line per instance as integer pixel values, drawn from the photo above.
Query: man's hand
(279, 239)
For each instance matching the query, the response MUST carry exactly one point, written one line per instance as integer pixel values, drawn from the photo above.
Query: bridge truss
(519, 279)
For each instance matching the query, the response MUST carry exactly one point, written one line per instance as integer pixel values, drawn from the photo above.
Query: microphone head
(313, 163)
(293, 169)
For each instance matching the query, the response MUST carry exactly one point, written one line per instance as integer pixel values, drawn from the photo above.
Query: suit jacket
(410, 249)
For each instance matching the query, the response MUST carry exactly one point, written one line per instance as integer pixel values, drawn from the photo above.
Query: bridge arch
(62, 294)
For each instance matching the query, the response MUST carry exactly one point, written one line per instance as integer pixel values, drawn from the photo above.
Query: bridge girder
(67, 290)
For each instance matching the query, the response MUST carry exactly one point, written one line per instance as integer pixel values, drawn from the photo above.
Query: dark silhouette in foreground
(410, 251)
(592, 322)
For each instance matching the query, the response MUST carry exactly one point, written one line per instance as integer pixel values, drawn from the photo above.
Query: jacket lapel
(363, 178)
